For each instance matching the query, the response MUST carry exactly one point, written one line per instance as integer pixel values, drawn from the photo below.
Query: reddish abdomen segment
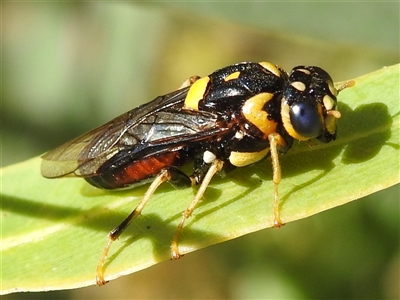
(137, 172)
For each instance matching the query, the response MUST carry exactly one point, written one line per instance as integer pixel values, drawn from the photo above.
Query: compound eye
(306, 120)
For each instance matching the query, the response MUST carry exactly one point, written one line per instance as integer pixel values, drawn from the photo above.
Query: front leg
(277, 145)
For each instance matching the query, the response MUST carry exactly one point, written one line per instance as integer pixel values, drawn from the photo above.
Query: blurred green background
(68, 67)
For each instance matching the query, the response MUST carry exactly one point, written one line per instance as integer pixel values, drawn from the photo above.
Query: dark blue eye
(305, 119)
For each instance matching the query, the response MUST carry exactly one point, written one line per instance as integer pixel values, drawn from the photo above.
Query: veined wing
(158, 124)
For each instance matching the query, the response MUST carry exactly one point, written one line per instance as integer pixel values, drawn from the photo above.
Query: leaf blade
(54, 230)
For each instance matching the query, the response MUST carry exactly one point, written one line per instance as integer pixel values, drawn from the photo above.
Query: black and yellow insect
(232, 118)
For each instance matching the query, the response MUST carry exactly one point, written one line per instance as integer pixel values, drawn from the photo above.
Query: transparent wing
(155, 126)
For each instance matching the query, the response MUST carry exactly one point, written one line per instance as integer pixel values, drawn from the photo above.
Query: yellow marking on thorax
(253, 111)
(241, 159)
(271, 67)
(196, 93)
(232, 76)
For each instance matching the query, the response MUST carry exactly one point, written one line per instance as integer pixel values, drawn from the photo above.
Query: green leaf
(54, 231)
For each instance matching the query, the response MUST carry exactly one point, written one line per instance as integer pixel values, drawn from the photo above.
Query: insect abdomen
(136, 172)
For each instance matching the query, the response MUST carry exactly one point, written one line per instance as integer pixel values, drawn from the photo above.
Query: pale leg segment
(117, 231)
(215, 167)
(274, 140)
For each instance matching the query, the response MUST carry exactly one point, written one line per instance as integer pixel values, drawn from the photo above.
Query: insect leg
(215, 167)
(175, 177)
(276, 141)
